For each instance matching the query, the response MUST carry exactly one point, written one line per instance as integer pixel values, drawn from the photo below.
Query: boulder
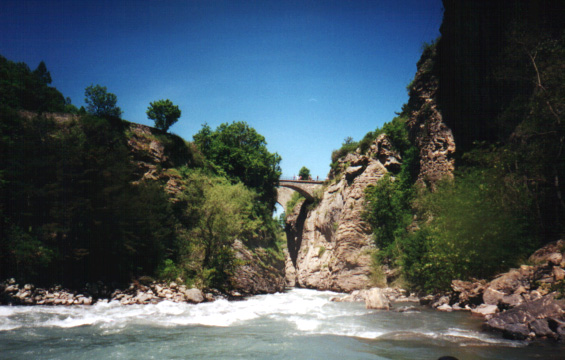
(469, 292)
(445, 307)
(519, 322)
(492, 296)
(376, 299)
(194, 296)
(510, 301)
(510, 282)
(444, 300)
(426, 300)
(550, 253)
(540, 327)
(485, 310)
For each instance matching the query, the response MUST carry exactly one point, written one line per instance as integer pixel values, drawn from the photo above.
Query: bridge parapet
(296, 179)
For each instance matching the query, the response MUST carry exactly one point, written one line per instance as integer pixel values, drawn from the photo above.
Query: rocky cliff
(428, 132)
(330, 245)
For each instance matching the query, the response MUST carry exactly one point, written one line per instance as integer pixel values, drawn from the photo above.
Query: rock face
(330, 246)
(260, 272)
(428, 132)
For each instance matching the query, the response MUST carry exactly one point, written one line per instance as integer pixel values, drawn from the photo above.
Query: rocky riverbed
(524, 303)
(12, 293)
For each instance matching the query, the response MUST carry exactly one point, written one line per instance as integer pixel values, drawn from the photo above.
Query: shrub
(469, 231)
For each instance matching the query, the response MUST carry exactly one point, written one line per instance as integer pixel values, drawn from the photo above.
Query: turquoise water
(299, 324)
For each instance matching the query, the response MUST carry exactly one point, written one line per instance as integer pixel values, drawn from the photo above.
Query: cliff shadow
(294, 229)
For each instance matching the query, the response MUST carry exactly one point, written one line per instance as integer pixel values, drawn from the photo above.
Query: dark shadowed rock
(540, 327)
(468, 292)
(519, 322)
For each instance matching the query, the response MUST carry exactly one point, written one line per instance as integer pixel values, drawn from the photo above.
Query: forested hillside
(86, 196)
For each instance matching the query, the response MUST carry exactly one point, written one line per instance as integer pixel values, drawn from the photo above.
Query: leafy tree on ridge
(164, 113)
(101, 103)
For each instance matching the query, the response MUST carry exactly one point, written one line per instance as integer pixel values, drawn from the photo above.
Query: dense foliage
(78, 205)
(81, 219)
(21, 88)
(240, 153)
(164, 113)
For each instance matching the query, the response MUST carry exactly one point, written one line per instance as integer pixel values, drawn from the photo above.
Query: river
(298, 324)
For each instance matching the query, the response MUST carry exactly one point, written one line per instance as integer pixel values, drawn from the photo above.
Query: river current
(298, 324)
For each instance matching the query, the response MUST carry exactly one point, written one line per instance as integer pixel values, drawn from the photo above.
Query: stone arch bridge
(304, 187)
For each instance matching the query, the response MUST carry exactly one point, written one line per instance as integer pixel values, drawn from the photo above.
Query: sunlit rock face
(330, 245)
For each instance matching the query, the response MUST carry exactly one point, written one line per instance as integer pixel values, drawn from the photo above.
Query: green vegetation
(241, 154)
(505, 197)
(21, 88)
(347, 146)
(164, 113)
(294, 199)
(82, 220)
(75, 209)
(304, 173)
(476, 226)
(101, 103)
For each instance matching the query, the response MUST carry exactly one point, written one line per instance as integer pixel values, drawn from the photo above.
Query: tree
(43, 75)
(101, 103)
(304, 173)
(348, 140)
(21, 88)
(241, 153)
(164, 113)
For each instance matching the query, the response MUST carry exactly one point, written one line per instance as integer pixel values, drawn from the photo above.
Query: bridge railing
(313, 179)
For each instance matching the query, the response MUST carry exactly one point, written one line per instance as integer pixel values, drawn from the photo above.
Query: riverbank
(525, 303)
(137, 293)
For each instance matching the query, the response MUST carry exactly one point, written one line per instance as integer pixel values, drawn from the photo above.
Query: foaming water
(300, 324)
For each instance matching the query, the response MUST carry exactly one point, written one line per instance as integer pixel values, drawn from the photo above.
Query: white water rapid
(298, 324)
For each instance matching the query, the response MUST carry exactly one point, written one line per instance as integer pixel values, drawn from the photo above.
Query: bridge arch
(304, 187)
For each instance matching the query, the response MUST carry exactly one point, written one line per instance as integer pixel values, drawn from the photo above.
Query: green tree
(164, 113)
(42, 73)
(21, 88)
(239, 152)
(101, 103)
(304, 173)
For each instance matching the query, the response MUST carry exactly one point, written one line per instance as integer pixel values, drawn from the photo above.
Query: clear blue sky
(305, 74)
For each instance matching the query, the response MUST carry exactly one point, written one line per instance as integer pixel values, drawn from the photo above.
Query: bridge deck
(300, 181)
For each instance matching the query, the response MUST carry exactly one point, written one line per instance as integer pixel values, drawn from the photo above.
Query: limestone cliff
(330, 246)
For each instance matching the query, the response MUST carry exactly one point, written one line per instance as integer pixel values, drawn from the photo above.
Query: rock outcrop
(523, 303)
(330, 246)
(259, 273)
(428, 132)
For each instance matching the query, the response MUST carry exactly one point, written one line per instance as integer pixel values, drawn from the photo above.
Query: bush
(469, 231)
